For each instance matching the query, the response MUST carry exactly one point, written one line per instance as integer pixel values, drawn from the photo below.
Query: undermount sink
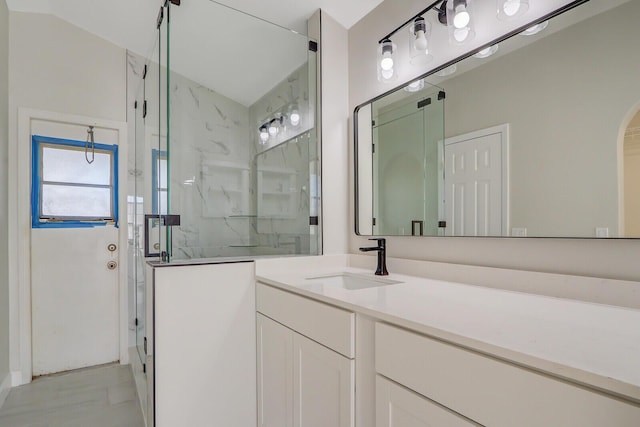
(350, 281)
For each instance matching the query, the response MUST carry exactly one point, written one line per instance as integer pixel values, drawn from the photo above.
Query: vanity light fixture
(535, 29)
(459, 15)
(486, 52)
(419, 34)
(386, 61)
(509, 9)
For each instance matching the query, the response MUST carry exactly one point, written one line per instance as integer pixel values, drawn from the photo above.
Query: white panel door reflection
(475, 197)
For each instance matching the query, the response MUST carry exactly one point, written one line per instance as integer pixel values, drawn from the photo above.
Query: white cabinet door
(397, 406)
(275, 373)
(323, 386)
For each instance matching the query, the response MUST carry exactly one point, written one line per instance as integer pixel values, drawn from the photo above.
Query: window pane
(162, 199)
(69, 165)
(162, 172)
(69, 201)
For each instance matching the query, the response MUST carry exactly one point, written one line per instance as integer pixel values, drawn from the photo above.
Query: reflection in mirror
(541, 138)
(403, 163)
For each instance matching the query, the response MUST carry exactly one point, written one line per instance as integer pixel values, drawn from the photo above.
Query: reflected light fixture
(535, 29)
(294, 116)
(509, 9)
(447, 71)
(486, 52)
(264, 133)
(415, 86)
(386, 61)
(274, 125)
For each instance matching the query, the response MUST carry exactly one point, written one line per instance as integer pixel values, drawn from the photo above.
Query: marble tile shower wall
(214, 177)
(211, 155)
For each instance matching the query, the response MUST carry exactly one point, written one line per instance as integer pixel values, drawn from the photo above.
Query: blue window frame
(67, 191)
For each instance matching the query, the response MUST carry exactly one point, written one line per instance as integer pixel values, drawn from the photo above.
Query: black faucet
(381, 270)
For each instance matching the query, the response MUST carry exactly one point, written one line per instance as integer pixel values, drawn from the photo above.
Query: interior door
(74, 281)
(475, 174)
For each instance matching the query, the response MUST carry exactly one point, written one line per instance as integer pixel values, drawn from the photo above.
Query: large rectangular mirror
(539, 139)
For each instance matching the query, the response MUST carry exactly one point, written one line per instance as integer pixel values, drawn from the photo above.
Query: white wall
(56, 67)
(599, 258)
(4, 279)
(558, 115)
(335, 118)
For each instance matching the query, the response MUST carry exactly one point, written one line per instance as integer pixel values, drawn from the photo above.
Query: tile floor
(91, 397)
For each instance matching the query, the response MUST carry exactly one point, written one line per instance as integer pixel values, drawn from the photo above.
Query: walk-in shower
(222, 141)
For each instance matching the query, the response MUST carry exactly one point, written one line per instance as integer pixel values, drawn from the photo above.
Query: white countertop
(592, 344)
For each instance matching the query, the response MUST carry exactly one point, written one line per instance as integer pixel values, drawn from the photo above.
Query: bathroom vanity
(339, 346)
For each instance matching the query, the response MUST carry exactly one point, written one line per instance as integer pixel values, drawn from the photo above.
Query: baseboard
(5, 386)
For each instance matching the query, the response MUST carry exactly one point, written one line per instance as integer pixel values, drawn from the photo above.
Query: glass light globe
(294, 118)
(461, 18)
(511, 7)
(387, 62)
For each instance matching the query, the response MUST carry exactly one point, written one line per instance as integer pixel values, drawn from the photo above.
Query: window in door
(67, 190)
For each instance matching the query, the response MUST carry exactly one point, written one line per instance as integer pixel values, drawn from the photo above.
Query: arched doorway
(631, 162)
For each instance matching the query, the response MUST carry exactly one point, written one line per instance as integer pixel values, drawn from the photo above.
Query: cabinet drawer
(490, 391)
(330, 326)
(398, 407)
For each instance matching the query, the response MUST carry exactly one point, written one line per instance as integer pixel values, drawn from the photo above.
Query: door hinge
(145, 345)
(313, 46)
(424, 103)
(313, 220)
(136, 322)
(144, 109)
(373, 221)
(135, 105)
(373, 148)
(160, 17)
(144, 368)
(442, 224)
(441, 95)
(373, 122)
(144, 71)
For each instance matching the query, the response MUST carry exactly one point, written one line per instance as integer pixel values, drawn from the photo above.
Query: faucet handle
(381, 241)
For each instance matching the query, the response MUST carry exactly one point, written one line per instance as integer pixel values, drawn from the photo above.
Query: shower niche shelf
(277, 193)
(225, 189)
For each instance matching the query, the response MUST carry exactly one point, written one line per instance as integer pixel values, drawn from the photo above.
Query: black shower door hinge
(373, 221)
(144, 72)
(144, 109)
(135, 105)
(441, 95)
(442, 224)
(136, 322)
(313, 46)
(424, 103)
(160, 17)
(373, 148)
(144, 368)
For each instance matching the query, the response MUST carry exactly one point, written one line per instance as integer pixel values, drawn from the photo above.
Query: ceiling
(200, 25)
(131, 23)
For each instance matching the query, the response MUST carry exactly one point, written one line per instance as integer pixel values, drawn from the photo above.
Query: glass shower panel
(161, 155)
(408, 136)
(232, 95)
